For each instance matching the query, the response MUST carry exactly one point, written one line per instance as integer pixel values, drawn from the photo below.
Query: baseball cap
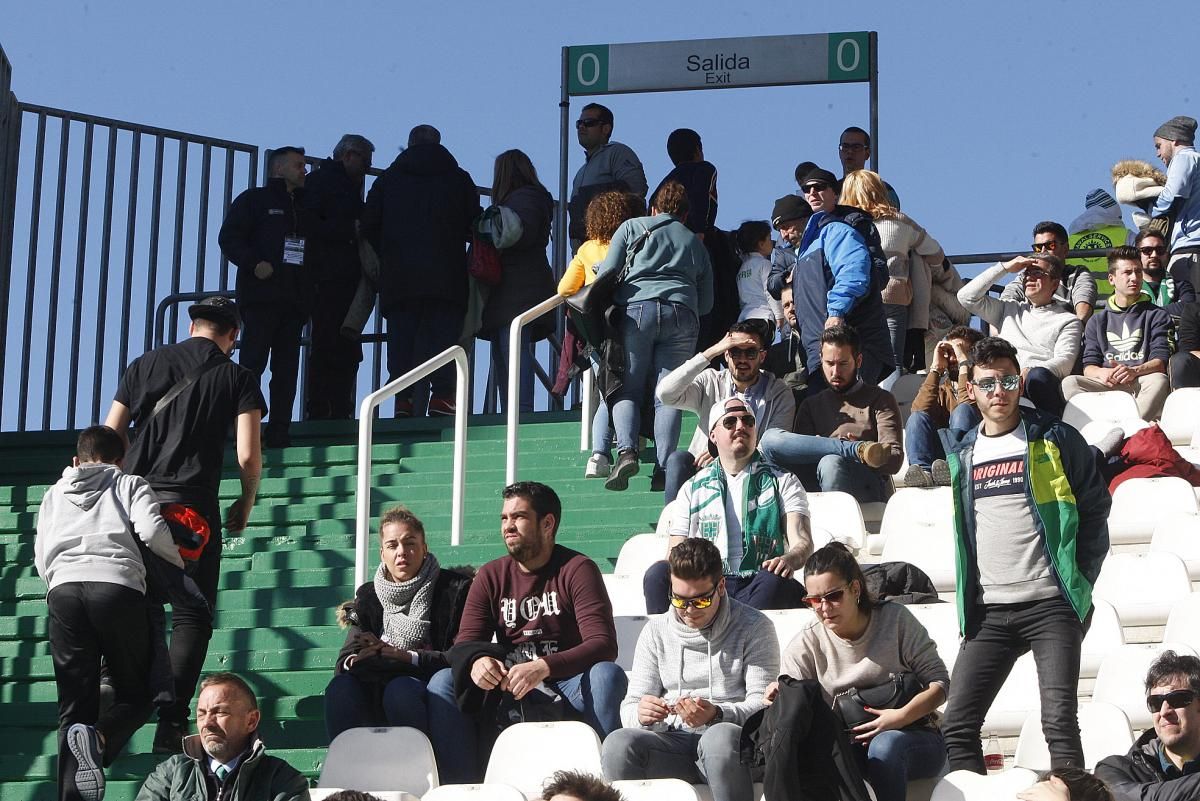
(719, 411)
(217, 308)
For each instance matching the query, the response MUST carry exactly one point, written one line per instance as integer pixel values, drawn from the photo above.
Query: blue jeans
(710, 757)
(842, 474)
(787, 451)
(500, 365)
(965, 417)
(921, 440)
(416, 332)
(1049, 628)
(1044, 389)
(897, 323)
(763, 590)
(658, 337)
(350, 703)
(680, 466)
(895, 757)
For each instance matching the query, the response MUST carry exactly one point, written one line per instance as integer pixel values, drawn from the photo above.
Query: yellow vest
(1110, 236)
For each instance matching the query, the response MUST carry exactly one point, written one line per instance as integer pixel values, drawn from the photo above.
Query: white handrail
(514, 374)
(363, 546)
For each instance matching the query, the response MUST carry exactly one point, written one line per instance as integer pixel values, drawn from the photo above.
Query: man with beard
(549, 612)
(226, 760)
(1163, 289)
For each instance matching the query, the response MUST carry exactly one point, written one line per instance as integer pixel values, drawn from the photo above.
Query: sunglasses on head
(588, 122)
(1175, 699)
(1151, 250)
(811, 188)
(699, 602)
(1009, 383)
(831, 597)
(730, 422)
(743, 353)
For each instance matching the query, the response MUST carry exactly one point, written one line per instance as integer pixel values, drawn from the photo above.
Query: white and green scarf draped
(762, 514)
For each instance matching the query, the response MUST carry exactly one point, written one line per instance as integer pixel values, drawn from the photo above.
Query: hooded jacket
(729, 663)
(86, 525)
(1069, 500)
(418, 218)
(258, 777)
(1130, 336)
(1138, 774)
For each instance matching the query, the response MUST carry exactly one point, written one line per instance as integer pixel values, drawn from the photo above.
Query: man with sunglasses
(1162, 764)
(699, 672)
(755, 515)
(1127, 344)
(1031, 532)
(607, 165)
(1164, 289)
(1045, 333)
(1076, 285)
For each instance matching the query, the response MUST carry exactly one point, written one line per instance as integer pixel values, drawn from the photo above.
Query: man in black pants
(265, 233)
(179, 448)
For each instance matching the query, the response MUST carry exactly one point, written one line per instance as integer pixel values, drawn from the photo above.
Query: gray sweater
(730, 663)
(86, 525)
(1047, 336)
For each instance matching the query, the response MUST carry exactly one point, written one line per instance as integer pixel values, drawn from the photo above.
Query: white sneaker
(598, 466)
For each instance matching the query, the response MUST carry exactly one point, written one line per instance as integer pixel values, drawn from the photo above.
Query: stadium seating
(1018, 697)
(1178, 419)
(1094, 414)
(840, 515)
(941, 621)
(1121, 677)
(526, 754)
(788, 623)
(656, 790)
(1140, 503)
(963, 785)
(365, 759)
(918, 528)
(475, 792)
(639, 552)
(1179, 534)
(1104, 728)
(1104, 635)
(629, 628)
(1142, 586)
(1183, 623)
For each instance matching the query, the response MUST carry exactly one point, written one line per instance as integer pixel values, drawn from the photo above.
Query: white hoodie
(86, 525)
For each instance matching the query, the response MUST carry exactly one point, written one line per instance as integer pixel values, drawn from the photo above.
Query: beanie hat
(1098, 197)
(789, 207)
(1178, 129)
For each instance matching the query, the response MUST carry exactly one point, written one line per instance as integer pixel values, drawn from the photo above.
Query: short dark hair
(1051, 227)
(403, 516)
(234, 680)
(1123, 253)
(990, 350)
(1054, 262)
(218, 328)
(803, 169)
(755, 328)
(671, 198)
(855, 129)
(1170, 664)
(966, 333)
(604, 113)
(1144, 234)
(277, 156)
(843, 336)
(696, 558)
(99, 444)
(750, 233)
(1082, 785)
(351, 795)
(583, 786)
(836, 558)
(682, 145)
(424, 135)
(543, 499)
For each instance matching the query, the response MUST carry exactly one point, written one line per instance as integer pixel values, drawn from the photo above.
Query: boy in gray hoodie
(87, 553)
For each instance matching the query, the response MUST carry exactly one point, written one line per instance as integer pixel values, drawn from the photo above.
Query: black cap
(217, 308)
(789, 207)
(820, 176)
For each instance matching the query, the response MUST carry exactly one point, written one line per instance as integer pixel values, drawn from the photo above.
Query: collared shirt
(1168, 767)
(214, 763)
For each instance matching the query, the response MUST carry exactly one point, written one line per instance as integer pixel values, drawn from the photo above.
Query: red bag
(189, 529)
(483, 261)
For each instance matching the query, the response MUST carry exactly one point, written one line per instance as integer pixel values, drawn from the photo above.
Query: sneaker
(941, 473)
(917, 476)
(626, 467)
(276, 437)
(598, 466)
(874, 454)
(168, 737)
(658, 480)
(441, 407)
(83, 743)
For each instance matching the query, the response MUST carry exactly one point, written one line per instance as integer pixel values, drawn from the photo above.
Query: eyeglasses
(699, 602)
(844, 146)
(588, 122)
(1152, 250)
(831, 597)
(1009, 383)
(1044, 247)
(730, 422)
(1036, 273)
(743, 353)
(815, 188)
(1175, 699)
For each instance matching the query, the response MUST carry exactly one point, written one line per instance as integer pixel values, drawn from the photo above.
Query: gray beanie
(1178, 129)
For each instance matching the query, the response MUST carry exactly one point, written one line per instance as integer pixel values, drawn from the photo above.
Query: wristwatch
(717, 718)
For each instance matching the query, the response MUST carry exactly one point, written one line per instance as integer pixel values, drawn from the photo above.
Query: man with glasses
(1127, 343)
(607, 165)
(1030, 532)
(1044, 332)
(1076, 285)
(756, 516)
(699, 672)
(1163, 289)
(1162, 764)
(854, 148)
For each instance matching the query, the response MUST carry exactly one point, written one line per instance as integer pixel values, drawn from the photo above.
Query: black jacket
(1138, 776)
(334, 201)
(254, 229)
(525, 276)
(418, 218)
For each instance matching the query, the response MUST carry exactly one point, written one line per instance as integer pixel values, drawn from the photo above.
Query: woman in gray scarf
(399, 625)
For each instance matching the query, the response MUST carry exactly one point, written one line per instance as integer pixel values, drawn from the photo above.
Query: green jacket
(1070, 500)
(186, 777)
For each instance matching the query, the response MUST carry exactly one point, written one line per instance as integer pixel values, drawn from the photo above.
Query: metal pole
(564, 114)
(514, 371)
(135, 162)
(873, 50)
(35, 222)
(85, 197)
(55, 270)
(110, 170)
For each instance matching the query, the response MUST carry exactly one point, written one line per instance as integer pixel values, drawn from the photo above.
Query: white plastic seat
(639, 552)
(526, 754)
(965, 785)
(1179, 419)
(918, 527)
(475, 792)
(1104, 636)
(321, 793)
(1142, 587)
(1122, 676)
(1180, 534)
(1017, 698)
(1113, 408)
(941, 621)
(1104, 729)
(840, 515)
(365, 759)
(788, 623)
(1183, 623)
(629, 628)
(626, 594)
(656, 790)
(1140, 504)
(904, 390)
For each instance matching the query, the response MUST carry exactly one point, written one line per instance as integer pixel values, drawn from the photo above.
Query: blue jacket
(1070, 500)
(1180, 198)
(672, 265)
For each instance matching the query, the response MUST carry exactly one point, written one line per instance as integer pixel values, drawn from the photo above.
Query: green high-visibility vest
(1110, 236)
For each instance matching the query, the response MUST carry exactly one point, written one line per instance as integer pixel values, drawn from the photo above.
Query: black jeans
(333, 359)
(274, 331)
(1049, 628)
(1184, 369)
(90, 620)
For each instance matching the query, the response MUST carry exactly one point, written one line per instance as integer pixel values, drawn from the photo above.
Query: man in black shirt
(179, 448)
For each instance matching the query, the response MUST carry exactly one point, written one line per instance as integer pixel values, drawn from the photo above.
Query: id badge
(293, 250)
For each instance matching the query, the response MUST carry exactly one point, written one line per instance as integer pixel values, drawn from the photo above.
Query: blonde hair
(865, 190)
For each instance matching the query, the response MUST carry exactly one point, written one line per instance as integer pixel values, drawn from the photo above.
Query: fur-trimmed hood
(1137, 181)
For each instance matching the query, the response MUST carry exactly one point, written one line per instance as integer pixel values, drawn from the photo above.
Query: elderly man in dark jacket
(418, 217)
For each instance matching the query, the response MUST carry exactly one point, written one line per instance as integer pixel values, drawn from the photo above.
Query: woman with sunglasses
(856, 643)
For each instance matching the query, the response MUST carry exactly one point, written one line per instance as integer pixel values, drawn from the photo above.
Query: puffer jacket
(258, 777)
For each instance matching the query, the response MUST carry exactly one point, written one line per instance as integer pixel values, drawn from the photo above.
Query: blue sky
(992, 116)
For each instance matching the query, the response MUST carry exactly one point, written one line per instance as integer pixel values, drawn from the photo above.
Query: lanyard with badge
(293, 245)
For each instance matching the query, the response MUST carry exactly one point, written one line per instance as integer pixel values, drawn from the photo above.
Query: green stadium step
(298, 683)
(135, 767)
(40, 667)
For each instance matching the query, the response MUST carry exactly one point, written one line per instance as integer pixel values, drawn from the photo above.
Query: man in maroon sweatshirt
(552, 620)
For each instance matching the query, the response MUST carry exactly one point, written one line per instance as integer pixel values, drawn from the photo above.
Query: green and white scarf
(762, 514)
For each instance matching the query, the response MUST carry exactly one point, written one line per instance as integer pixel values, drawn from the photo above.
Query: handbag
(483, 261)
(892, 694)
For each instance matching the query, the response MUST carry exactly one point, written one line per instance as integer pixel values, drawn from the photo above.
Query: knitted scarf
(762, 514)
(406, 605)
